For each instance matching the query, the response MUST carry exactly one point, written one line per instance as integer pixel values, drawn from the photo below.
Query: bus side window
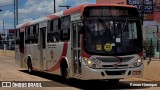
(21, 43)
(52, 31)
(26, 35)
(31, 34)
(36, 31)
(56, 30)
(17, 36)
(49, 31)
(65, 28)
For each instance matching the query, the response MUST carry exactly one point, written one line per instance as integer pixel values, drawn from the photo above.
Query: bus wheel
(30, 69)
(113, 81)
(64, 70)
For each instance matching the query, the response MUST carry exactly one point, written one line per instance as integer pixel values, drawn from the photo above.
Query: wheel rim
(65, 73)
(29, 67)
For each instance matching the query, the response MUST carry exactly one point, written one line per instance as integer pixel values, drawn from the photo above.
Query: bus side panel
(30, 53)
(54, 52)
(37, 57)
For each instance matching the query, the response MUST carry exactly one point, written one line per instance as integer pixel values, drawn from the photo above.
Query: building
(111, 1)
(10, 39)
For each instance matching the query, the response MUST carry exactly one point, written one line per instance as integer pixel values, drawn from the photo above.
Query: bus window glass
(132, 30)
(36, 33)
(65, 28)
(65, 22)
(31, 35)
(122, 36)
(31, 29)
(17, 36)
(18, 31)
(53, 32)
(26, 35)
(49, 28)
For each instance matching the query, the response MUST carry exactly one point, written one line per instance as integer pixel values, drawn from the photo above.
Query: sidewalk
(152, 69)
(7, 53)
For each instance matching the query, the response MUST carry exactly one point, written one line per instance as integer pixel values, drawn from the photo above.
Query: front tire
(64, 71)
(30, 68)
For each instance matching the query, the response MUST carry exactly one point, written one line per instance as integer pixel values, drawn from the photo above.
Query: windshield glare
(112, 36)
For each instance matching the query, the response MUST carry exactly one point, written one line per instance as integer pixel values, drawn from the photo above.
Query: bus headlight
(90, 63)
(137, 63)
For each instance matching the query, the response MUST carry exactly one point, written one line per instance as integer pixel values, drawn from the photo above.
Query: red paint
(73, 10)
(81, 7)
(22, 28)
(84, 54)
(63, 55)
(140, 54)
(11, 31)
(136, 72)
(52, 16)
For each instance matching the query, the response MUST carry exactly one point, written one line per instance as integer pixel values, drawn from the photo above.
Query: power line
(67, 6)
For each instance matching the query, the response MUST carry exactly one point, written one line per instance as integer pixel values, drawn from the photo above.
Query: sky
(32, 9)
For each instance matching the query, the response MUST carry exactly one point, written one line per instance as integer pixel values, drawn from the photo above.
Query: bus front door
(76, 50)
(42, 46)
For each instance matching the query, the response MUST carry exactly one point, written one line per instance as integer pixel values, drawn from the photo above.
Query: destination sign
(110, 12)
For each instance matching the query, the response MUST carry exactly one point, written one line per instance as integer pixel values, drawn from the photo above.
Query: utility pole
(142, 11)
(4, 43)
(67, 6)
(15, 13)
(54, 1)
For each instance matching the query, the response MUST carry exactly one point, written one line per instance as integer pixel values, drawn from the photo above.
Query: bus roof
(79, 8)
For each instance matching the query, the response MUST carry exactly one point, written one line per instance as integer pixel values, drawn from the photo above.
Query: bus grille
(121, 72)
(118, 66)
(114, 59)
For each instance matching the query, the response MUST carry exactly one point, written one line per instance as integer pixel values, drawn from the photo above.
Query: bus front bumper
(102, 74)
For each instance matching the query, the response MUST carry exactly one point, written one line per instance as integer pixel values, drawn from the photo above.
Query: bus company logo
(115, 65)
(6, 84)
(52, 54)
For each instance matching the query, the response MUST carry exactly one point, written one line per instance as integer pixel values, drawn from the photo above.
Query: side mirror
(80, 29)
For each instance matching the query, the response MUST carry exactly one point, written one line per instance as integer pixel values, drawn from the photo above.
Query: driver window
(132, 30)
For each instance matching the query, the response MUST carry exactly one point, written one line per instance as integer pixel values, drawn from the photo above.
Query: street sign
(148, 5)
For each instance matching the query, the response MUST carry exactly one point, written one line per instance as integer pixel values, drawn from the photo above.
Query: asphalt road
(9, 71)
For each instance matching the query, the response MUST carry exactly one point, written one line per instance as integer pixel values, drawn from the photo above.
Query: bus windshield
(110, 36)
